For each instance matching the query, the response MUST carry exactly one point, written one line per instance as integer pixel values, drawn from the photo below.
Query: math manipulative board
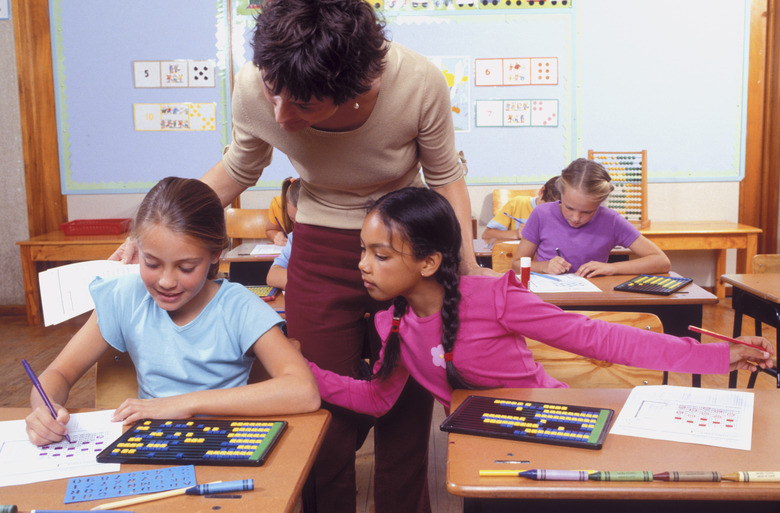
(195, 442)
(107, 486)
(651, 284)
(557, 424)
(264, 292)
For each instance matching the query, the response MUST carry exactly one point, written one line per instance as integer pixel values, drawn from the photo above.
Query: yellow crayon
(765, 476)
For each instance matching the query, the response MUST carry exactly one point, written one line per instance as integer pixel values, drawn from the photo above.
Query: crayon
(641, 475)
(39, 388)
(7, 508)
(688, 476)
(763, 476)
(541, 474)
(229, 486)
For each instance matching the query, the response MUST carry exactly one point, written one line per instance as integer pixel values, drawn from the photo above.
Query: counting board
(628, 171)
(197, 442)
(558, 424)
(265, 292)
(650, 284)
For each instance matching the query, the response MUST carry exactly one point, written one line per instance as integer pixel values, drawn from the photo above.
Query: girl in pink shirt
(453, 332)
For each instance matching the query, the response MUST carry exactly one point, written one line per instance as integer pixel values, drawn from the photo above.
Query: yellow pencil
(144, 498)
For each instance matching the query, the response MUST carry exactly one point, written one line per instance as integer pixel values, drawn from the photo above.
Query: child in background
(453, 332)
(282, 212)
(192, 339)
(277, 274)
(503, 227)
(576, 234)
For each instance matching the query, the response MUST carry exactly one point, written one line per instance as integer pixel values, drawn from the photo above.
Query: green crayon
(640, 475)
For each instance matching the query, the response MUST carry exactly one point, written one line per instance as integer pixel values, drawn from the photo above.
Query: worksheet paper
(21, 462)
(721, 418)
(65, 289)
(266, 249)
(561, 283)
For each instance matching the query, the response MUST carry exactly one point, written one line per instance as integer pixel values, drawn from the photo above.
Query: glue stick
(525, 271)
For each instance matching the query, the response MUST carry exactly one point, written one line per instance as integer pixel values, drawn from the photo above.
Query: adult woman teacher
(358, 116)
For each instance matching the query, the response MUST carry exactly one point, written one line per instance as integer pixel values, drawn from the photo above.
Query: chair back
(115, 379)
(503, 254)
(766, 263)
(501, 196)
(245, 223)
(581, 372)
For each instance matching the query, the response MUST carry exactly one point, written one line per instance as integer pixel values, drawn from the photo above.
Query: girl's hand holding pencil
(745, 352)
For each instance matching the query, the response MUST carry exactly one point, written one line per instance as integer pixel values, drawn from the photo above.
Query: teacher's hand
(127, 253)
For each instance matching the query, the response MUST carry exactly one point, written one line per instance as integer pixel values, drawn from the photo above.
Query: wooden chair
(766, 263)
(115, 379)
(503, 253)
(581, 372)
(501, 196)
(245, 223)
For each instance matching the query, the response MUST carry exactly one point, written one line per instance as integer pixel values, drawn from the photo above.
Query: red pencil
(723, 337)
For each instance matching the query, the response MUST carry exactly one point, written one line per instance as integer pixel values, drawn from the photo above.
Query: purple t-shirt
(548, 229)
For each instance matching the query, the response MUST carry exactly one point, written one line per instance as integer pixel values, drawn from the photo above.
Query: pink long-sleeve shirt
(496, 314)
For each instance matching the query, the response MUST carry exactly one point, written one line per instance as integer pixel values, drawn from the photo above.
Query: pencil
(280, 226)
(513, 217)
(145, 498)
(39, 388)
(724, 337)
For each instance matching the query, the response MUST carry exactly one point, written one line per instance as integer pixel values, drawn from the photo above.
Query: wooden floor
(40, 345)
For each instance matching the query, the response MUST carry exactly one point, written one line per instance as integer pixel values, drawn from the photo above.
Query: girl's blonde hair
(188, 207)
(588, 177)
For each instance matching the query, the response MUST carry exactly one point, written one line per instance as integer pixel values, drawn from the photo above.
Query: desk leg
(32, 293)
(720, 270)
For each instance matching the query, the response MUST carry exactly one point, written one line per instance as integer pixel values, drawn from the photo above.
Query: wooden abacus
(628, 170)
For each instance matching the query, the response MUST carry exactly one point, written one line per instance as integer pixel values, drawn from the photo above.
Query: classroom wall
(13, 204)
(667, 201)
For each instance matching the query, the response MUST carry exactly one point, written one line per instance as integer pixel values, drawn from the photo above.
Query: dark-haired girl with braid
(452, 332)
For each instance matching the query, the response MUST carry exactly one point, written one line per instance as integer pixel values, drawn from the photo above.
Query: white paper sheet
(721, 418)
(21, 462)
(65, 289)
(561, 283)
(267, 249)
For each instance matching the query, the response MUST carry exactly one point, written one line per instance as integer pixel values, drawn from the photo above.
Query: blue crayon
(229, 486)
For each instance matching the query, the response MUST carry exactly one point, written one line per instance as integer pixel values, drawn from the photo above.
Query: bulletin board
(531, 88)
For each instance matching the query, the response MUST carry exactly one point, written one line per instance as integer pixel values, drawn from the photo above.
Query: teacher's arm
(458, 196)
(226, 188)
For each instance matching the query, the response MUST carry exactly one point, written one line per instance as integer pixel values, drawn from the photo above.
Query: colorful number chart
(628, 171)
(558, 424)
(107, 486)
(195, 441)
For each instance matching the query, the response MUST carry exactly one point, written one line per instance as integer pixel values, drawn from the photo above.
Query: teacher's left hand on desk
(745, 357)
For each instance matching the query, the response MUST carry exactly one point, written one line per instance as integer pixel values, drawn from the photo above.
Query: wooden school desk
(757, 296)
(717, 235)
(467, 454)
(278, 483)
(58, 247)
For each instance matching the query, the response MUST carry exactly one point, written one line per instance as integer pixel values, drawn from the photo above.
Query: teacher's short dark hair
(319, 48)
